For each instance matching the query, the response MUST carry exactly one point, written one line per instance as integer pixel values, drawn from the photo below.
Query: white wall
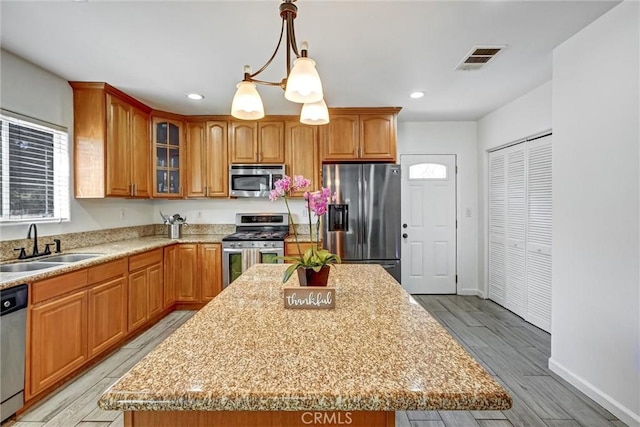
(528, 115)
(34, 92)
(457, 138)
(222, 211)
(596, 209)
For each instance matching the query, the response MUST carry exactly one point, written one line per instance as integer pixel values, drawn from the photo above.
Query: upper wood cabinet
(168, 140)
(111, 149)
(256, 142)
(301, 143)
(359, 134)
(207, 172)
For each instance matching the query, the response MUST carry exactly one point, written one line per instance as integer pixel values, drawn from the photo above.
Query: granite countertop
(107, 251)
(378, 350)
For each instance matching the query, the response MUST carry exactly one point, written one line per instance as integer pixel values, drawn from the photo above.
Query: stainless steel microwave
(253, 180)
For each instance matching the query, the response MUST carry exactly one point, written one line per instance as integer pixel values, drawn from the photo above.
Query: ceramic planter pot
(308, 277)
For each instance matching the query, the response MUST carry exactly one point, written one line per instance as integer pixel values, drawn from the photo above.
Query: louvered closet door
(516, 278)
(539, 233)
(497, 218)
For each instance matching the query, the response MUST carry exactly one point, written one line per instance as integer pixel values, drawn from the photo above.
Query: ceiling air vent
(478, 57)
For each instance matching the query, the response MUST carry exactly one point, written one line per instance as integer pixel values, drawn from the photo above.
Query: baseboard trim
(623, 413)
(470, 292)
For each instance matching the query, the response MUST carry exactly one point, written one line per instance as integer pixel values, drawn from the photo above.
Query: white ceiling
(368, 53)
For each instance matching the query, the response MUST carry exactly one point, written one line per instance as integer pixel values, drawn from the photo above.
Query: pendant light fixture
(301, 84)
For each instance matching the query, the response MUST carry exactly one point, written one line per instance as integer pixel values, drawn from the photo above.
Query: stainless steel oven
(232, 254)
(253, 180)
(259, 238)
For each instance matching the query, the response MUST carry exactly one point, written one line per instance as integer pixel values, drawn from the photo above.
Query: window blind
(34, 170)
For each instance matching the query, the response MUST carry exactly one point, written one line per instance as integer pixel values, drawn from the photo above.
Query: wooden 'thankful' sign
(314, 297)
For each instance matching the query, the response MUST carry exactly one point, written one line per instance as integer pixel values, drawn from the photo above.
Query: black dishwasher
(13, 328)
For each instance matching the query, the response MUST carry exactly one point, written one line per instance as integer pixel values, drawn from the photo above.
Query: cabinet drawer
(142, 260)
(107, 270)
(59, 285)
(291, 248)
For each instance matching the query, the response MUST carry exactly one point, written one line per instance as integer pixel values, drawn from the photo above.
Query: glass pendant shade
(315, 113)
(247, 104)
(303, 82)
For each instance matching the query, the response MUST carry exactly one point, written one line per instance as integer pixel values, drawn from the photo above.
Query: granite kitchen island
(245, 360)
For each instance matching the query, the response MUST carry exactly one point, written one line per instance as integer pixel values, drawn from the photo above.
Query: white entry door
(429, 223)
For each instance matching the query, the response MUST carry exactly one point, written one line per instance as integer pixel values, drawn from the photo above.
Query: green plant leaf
(289, 271)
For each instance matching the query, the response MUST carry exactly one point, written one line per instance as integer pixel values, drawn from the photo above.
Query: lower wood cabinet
(210, 268)
(107, 314)
(195, 270)
(146, 287)
(58, 340)
(73, 318)
(77, 316)
(292, 249)
(169, 292)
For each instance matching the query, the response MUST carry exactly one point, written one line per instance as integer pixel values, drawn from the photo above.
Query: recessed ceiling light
(195, 96)
(416, 95)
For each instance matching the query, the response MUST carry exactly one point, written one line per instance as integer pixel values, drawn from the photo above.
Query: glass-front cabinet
(168, 142)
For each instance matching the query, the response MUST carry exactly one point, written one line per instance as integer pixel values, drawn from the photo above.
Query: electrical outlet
(199, 215)
(467, 212)
(122, 213)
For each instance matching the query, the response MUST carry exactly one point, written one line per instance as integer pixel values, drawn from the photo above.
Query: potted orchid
(313, 265)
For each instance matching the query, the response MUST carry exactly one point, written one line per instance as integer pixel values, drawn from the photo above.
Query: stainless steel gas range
(258, 238)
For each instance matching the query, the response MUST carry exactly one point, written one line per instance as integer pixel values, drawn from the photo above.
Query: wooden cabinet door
(292, 249)
(118, 146)
(302, 154)
(210, 263)
(170, 275)
(271, 142)
(140, 154)
(138, 291)
(341, 138)
(155, 288)
(107, 314)
(167, 143)
(187, 278)
(377, 137)
(196, 160)
(216, 159)
(243, 142)
(58, 343)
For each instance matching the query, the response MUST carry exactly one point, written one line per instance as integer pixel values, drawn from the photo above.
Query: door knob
(405, 235)
(404, 225)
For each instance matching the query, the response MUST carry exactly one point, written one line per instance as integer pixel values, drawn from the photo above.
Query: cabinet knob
(405, 235)
(404, 225)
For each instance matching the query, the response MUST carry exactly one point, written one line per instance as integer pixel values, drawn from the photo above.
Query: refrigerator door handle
(365, 212)
(360, 209)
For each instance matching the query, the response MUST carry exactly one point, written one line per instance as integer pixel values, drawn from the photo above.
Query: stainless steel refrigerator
(363, 224)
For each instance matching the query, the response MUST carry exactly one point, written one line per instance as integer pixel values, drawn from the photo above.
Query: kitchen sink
(70, 257)
(28, 266)
(44, 263)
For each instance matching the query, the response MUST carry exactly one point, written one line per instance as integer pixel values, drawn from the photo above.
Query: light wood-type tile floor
(512, 350)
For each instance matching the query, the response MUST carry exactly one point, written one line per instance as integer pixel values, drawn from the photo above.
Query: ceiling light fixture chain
(301, 83)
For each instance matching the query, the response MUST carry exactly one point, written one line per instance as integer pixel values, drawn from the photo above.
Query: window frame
(60, 181)
(446, 172)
